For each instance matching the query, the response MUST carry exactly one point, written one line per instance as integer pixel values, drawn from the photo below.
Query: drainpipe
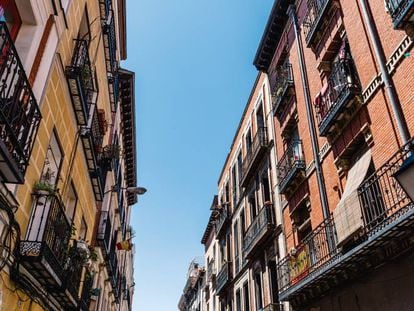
(389, 86)
(309, 113)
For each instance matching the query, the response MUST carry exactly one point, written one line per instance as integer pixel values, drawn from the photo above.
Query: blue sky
(193, 64)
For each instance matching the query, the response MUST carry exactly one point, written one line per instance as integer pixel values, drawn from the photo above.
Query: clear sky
(193, 65)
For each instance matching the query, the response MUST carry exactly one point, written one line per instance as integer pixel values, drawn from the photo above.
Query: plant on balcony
(42, 187)
(111, 151)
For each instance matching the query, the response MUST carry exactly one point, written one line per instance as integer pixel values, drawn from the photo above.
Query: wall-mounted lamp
(133, 190)
(405, 176)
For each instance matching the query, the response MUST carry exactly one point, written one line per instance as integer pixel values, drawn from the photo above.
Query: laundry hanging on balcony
(124, 245)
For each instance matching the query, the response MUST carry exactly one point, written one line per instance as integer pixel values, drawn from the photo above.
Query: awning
(348, 213)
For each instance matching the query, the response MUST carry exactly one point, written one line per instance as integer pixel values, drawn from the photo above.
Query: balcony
(222, 220)
(45, 251)
(384, 230)
(283, 90)
(223, 277)
(92, 139)
(314, 18)
(335, 105)
(254, 154)
(291, 167)
(109, 42)
(81, 81)
(259, 230)
(401, 12)
(19, 113)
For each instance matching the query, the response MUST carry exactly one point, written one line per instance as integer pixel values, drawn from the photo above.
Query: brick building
(340, 75)
(67, 156)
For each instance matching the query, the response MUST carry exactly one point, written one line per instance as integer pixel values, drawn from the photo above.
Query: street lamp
(405, 176)
(133, 190)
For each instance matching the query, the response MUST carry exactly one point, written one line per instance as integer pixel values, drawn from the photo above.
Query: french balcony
(284, 89)
(335, 105)
(109, 42)
(44, 249)
(19, 113)
(291, 167)
(81, 82)
(223, 278)
(104, 232)
(259, 230)
(401, 12)
(222, 220)
(378, 225)
(314, 18)
(254, 155)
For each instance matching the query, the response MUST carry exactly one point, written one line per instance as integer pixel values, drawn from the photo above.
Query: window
(236, 245)
(273, 282)
(243, 223)
(234, 183)
(10, 14)
(84, 31)
(238, 300)
(71, 202)
(248, 141)
(301, 220)
(53, 162)
(265, 186)
(251, 199)
(259, 117)
(246, 296)
(83, 230)
(258, 290)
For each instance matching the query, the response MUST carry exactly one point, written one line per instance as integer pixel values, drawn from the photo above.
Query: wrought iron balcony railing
(291, 165)
(45, 248)
(81, 81)
(92, 139)
(109, 41)
(387, 219)
(259, 229)
(314, 17)
(253, 155)
(283, 86)
(343, 86)
(222, 220)
(223, 277)
(401, 12)
(19, 113)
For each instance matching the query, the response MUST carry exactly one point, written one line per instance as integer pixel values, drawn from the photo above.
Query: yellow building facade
(67, 156)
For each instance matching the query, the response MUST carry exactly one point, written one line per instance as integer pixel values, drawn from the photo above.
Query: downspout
(388, 83)
(309, 114)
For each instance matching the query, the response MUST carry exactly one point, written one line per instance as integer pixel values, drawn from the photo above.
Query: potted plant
(44, 188)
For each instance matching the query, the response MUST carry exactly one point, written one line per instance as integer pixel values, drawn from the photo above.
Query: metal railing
(48, 232)
(260, 140)
(73, 272)
(314, 14)
(224, 276)
(284, 79)
(382, 201)
(398, 9)
(291, 161)
(223, 217)
(81, 81)
(342, 82)
(19, 113)
(258, 228)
